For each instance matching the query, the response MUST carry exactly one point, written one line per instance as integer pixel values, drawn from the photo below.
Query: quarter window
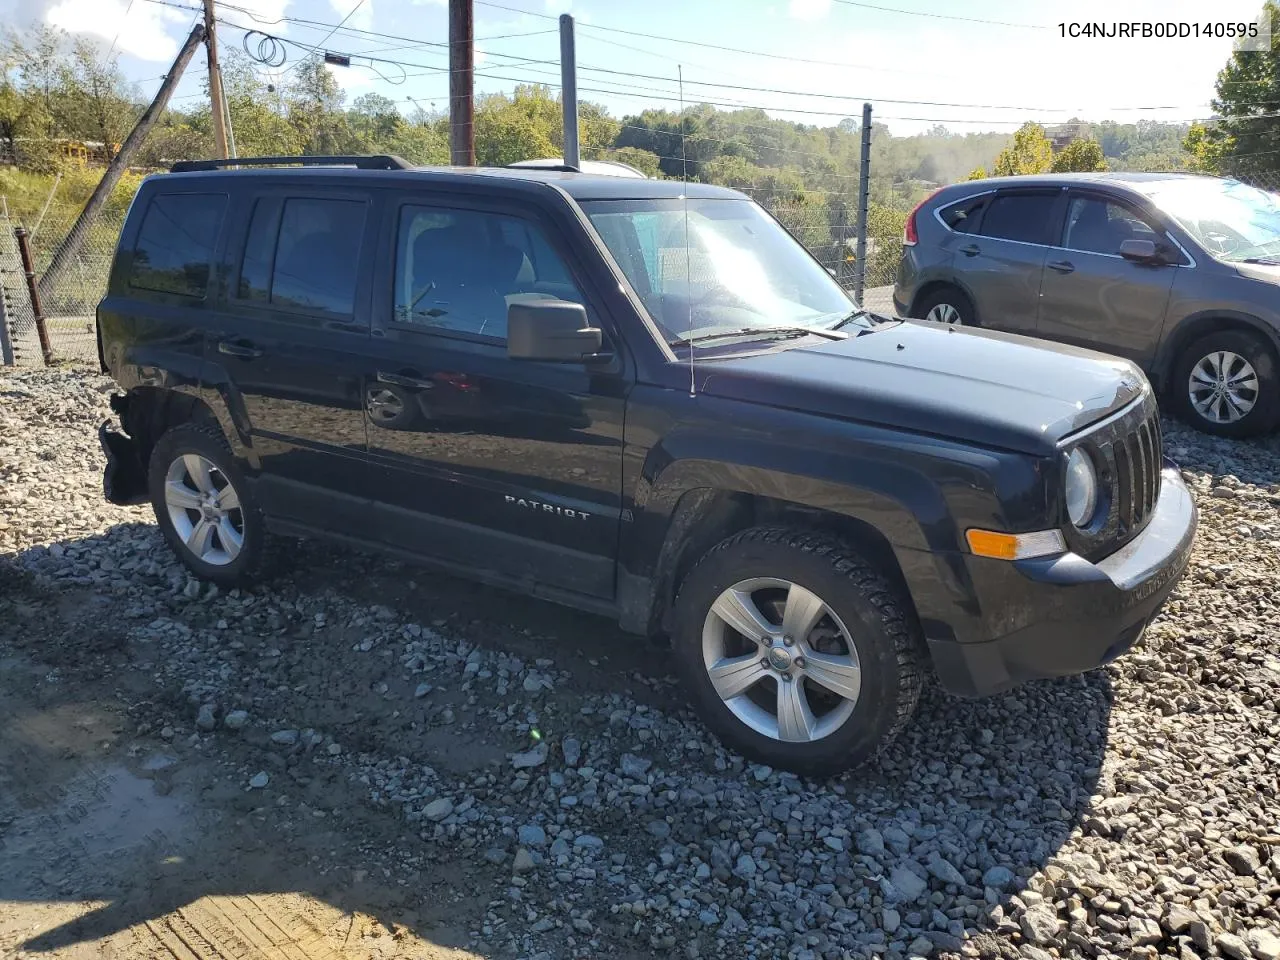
(1095, 225)
(963, 217)
(459, 270)
(175, 243)
(1025, 217)
(303, 253)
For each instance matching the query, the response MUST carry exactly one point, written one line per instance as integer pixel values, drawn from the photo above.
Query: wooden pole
(28, 268)
(462, 131)
(66, 253)
(215, 82)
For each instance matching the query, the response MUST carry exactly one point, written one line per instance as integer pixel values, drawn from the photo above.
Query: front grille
(1128, 455)
(1137, 474)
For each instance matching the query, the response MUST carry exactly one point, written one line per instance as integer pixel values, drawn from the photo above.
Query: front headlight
(1081, 488)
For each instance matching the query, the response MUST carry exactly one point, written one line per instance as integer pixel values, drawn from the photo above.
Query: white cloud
(559, 6)
(809, 9)
(149, 32)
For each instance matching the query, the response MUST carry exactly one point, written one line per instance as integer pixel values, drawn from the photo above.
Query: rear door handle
(971, 250)
(242, 349)
(404, 380)
(1062, 266)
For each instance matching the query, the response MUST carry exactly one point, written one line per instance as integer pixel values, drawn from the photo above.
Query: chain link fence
(68, 305)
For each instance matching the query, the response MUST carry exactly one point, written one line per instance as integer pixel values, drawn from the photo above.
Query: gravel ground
(536, 769)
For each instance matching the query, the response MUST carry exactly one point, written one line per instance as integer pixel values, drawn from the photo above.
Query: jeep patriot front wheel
(797, 652)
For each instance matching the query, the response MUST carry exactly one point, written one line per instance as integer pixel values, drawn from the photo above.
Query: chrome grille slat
(1128, 451)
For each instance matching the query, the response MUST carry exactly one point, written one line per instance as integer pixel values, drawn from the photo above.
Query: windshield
(740, 270)
(1231, 220)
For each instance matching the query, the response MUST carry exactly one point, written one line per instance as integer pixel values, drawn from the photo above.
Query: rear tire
(204, 506)
(947, 305)
(1226, 384)
(855, 659)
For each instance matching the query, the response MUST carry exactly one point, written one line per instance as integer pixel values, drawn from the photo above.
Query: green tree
(1080, 156)
(642, 160)
(1031, 152)
(977, 173)
(1246, 140)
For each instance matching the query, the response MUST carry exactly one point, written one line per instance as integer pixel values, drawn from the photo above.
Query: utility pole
(215, 82)
(462, 129)
(75, 237)
(569, 91)
(864, 201)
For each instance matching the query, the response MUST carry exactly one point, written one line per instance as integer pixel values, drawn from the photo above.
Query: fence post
(864, 200)
(6, 345)
(33, 291)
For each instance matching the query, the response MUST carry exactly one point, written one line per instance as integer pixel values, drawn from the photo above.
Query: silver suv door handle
(1061, 266)
(971, 250)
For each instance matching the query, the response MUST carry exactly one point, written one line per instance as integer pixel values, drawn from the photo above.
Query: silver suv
(1179, 273)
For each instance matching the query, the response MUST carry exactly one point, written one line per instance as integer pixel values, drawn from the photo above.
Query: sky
(919, 62)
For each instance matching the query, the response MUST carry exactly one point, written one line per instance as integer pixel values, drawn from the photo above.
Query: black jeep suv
(645, 400)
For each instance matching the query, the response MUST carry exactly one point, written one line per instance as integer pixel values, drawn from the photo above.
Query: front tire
(204, 507)
(1226, 384)
(796, 651)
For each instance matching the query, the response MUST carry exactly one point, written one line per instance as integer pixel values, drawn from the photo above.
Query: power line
(352, 13)
(942, 16)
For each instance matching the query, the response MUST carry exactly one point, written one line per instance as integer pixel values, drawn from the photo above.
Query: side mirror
(1140, 251)
(554, 330)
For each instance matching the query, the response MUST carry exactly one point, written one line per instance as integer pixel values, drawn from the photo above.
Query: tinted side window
(259, 251)
(1020, 216)
(317, 255)
(459, 269)
(1096, 225)
(963, 217)
(175, 243)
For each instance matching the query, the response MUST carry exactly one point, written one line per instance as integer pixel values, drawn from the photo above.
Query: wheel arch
(936, 285)
(705, 516)
(1198, 325)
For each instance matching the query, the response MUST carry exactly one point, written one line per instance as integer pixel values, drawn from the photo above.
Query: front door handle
(971, 250)
(239, 348)
(1061, 266)
(404, 380)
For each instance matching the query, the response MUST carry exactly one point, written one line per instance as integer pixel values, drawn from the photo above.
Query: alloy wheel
(944, 313)
(781, 660)
(204, 509)
(1223, 387)
(384, 405)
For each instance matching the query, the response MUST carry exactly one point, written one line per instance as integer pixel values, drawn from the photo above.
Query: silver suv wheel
(204, 509)
(781, 660)
(1223, 387)
(944, 313)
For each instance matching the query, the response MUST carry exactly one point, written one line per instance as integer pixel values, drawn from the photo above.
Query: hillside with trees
(55, 89)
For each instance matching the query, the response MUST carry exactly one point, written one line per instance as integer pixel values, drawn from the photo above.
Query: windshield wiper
(1264, 260)
(762, 333)
(861, 314)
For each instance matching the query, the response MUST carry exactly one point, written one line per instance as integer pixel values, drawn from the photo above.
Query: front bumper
(1068, 615)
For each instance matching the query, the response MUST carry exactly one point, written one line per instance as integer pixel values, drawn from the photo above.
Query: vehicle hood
(979, 386)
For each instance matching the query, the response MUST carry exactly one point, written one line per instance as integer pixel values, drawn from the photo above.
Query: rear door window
(1025, 216)
(175, 244)
(303, 253)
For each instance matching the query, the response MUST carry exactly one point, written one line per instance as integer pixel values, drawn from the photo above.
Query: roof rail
(380, 162)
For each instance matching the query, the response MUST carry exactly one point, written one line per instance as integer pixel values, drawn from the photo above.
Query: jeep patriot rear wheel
(796, 651)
